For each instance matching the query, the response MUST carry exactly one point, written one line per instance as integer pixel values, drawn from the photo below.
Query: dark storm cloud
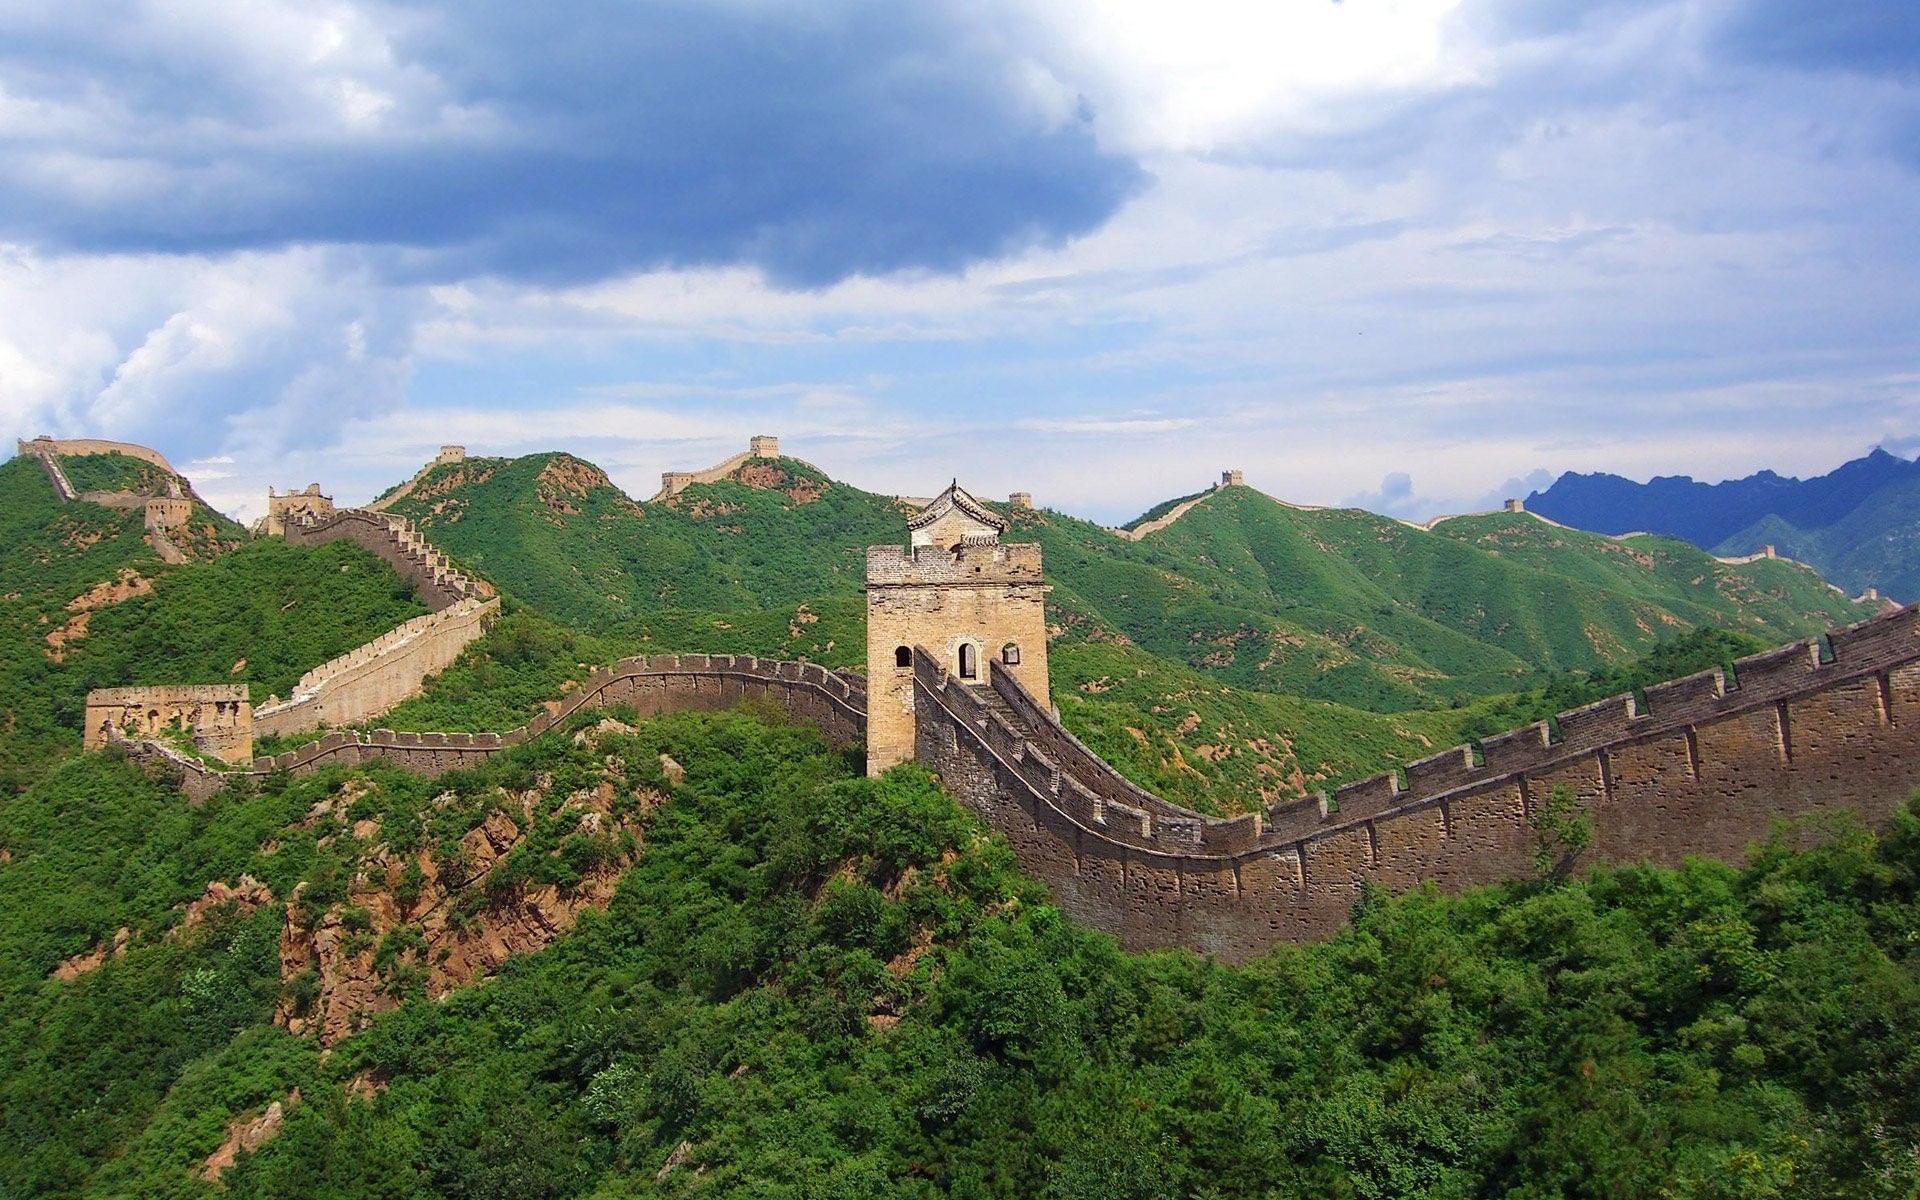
(562, 143)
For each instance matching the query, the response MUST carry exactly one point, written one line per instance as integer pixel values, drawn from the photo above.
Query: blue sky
(1410, 254)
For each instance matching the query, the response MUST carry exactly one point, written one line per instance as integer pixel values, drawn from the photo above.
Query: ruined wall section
(219, 715)
(1705, 766)
(833, 701)
(370, 679)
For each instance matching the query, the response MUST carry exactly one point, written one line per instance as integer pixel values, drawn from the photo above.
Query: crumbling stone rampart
(218, 715)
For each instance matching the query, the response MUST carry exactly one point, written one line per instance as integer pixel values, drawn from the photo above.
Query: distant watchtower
(976, 605)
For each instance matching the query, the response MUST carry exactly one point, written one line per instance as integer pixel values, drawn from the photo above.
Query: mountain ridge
(1859, 524)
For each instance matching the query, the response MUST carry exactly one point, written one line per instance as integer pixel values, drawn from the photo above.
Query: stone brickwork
(672, 483)
(72, 447)
(370, 679)
(219, 716)
(958, 592)
(1704, 767)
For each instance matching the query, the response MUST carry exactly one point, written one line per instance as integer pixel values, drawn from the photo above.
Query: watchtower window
(969, 666)
(1010, 654)
(902, 657)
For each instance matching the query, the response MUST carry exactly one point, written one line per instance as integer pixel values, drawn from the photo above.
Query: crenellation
(1688, 697)
(1440, 772)
(1777, 672)
(1366, 797)
(1594, 724)
(1517, 749)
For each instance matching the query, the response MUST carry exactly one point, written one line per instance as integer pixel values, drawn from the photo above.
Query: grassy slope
(1339, 605)
(1244, 651)
(813, 984)
(1349, 606)
(124, 473)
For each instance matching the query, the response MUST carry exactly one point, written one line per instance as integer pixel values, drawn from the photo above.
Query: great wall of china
(161, 513)
(1704, 765)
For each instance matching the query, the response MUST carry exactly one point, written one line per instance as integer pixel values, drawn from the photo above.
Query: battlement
(450, 454)
(672, 483)
(1020, 500)
(439, 583)
(371, 678)
(74, 447)
(985, 563)
(1232, 478)
(832, 700)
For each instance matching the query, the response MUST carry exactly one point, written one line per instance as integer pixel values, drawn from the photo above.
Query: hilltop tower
(974, 604)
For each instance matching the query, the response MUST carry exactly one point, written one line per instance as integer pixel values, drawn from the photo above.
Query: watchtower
(975, 604)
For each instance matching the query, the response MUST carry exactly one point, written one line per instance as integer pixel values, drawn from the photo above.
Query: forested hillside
(814, 984)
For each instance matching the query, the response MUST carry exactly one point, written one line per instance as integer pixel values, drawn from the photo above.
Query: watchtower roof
(956, 501)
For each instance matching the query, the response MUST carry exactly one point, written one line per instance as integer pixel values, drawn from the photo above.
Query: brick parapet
(995, 564)
(74, 447)
(439, 584)
(662, 683)
(1703, 766)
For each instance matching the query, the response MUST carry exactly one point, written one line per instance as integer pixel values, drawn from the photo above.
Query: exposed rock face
(80, 964)
(414, 922)
(247, 1134)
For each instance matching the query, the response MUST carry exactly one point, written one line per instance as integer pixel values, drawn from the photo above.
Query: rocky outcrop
(420, 923)
(245, 1134)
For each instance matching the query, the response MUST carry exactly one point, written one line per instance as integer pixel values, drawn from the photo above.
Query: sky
(1412, 255)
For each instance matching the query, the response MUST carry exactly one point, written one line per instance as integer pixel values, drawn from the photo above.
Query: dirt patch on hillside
(766, 477)
(128, 585)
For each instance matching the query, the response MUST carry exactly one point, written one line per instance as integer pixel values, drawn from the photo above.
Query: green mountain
(809, 983)
(1336, 605)
(1876, 544)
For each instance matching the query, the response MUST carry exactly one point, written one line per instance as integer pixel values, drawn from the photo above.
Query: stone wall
(439, 584)
(832, 701)
(44, 446)
(219, 715)
(1705, 766)
(370, 679)
(672, 483)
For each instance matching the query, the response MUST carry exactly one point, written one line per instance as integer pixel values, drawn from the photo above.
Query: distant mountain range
(1859, 525)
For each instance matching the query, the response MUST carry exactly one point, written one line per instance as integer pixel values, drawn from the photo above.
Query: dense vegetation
(814, 984)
